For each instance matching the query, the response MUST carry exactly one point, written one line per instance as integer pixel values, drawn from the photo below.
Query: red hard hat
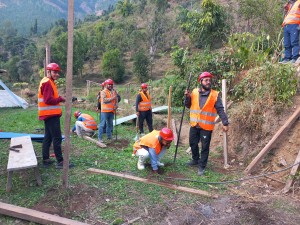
(203, 75)
(103, 84)
(53, 66)
(144, 85)
(77, 114)
(166, 134)
(109, 81)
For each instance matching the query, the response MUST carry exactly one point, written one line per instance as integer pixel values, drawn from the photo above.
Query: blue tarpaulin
(34, 137)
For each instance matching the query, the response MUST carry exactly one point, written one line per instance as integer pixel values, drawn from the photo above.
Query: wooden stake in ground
(225, 145)
(68, 92)
(270, 144)
(148, 181)
(294, 170)
(169, 107)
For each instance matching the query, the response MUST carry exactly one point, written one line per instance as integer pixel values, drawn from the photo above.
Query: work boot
(160, 164)
(60, 165)
(141, 163)
(47, 163)
(193, 162)
(201, 171)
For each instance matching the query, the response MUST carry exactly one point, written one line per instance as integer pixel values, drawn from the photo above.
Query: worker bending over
(85, 124)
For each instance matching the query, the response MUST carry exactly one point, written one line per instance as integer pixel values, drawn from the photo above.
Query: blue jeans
(154, 158)
(291, 41)
(108, 118)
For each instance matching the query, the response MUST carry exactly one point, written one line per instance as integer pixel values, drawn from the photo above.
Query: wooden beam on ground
(169, 107)
(268, 147)
(294, 170)
(148, 181)
(99, 144)
(35, 216)
(174, 131)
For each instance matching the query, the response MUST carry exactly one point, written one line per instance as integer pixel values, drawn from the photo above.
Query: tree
(12, 68)
(125, 8)
(141, 65)
(113, 66)
(24, 70)
(207, 27)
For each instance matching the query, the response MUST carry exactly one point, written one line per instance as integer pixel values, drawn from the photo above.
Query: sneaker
(47, 163)
(293, 61)
(100, 140)
(201, 171)
(193, 162)
(60, 165)
(285, 61)
(160, 164)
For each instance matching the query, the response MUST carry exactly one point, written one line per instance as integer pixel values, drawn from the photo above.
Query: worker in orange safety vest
(153, 145)
(204, 103)
(291, 26)
(85, 124)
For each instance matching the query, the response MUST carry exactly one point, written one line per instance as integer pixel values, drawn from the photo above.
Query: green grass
(125, 196)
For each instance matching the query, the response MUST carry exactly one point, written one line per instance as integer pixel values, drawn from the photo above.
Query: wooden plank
(148, 181)
(268, 147)
(174, 131)
(23, 159)
(35, 216)
(99, 144)
(294, 170)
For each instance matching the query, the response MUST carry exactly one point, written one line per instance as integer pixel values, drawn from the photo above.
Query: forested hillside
(36, 16)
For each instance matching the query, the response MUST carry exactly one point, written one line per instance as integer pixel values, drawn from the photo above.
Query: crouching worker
(153, 145)
(85, 124)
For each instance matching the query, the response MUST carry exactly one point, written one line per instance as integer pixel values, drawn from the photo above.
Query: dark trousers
(52, 135)
(196, 135)
(148, 116)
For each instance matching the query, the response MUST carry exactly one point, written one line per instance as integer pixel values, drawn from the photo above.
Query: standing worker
(109, 105)
(144, 109)
(154, 145)
(204, 103)
(85, 124)
(50, 111)
(291, 26)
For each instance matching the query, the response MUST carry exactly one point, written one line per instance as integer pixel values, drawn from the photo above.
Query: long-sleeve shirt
(48, 94)
(202, 100)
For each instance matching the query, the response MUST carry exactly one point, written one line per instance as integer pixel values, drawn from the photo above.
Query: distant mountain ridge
(23, 13)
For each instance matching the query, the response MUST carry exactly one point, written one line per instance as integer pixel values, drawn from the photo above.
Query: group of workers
(204, 103)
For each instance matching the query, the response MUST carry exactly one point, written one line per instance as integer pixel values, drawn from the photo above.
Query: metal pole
(182, 115)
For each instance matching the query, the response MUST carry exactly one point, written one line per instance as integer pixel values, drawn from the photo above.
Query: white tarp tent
(9, 99)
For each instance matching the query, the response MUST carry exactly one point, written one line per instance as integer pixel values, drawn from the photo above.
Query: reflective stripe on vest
(204, 117)
(293, 16)
(150, 140)
(89, 121)
(43, 108)
(108, 106)
(145, 104)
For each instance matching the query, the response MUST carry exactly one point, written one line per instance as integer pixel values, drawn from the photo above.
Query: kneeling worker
(154, 145)
(85, 124)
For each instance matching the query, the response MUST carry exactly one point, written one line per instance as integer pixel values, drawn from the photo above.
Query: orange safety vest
(89, 122)
(293, 16)
(43, 108)
(108, 106)
(204, 117)
(145, 104)
(150, 140)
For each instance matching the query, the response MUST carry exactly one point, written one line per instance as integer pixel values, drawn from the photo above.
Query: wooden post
(292, 174)
(47, 58)
(169, 107)
(225, 144)
(68, 105)
(268, 147)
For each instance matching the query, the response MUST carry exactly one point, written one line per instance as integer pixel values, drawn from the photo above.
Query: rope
(237, 180)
